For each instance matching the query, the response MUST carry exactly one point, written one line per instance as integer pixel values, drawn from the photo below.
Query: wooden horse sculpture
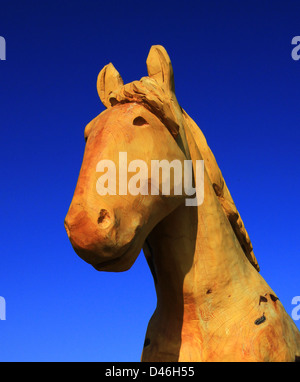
(212, 303)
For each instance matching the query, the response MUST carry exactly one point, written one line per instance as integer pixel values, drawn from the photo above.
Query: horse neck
(195, 251)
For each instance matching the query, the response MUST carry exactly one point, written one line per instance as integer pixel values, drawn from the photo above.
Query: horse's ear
(109, 80)
(160, 68)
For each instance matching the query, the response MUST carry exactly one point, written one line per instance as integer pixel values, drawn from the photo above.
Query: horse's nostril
(103, 218)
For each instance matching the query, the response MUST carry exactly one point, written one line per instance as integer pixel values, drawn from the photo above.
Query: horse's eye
(85, 138)
(139, 121)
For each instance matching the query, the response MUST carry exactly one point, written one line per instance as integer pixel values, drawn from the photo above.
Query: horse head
(143, 121)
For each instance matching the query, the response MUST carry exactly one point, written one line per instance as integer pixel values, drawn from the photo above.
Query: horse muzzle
(92, 234)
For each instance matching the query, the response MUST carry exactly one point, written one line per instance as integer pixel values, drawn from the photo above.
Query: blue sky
(235, 77)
